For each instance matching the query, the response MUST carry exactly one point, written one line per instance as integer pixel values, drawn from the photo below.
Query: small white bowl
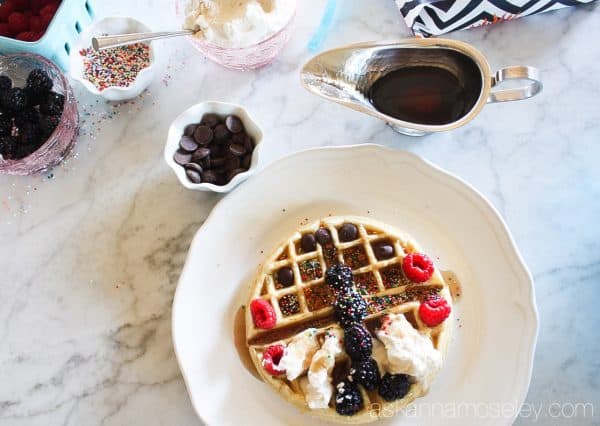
(112, 25)
(193, 115)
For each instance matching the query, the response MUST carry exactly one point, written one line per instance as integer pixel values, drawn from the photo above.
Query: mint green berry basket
(71, 18)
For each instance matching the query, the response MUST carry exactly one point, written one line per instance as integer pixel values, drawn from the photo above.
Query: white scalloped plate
(485, 377)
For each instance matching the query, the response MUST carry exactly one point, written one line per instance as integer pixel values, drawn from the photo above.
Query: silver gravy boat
(345, 75)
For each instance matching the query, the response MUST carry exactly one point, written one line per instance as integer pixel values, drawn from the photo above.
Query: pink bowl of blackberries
(38, 115)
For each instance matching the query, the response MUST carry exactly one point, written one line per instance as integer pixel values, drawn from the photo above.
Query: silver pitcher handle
(515, 94)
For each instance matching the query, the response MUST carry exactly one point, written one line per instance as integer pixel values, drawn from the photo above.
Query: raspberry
(358, 342)
(6, 9)
(263, 314)
(434, 310)
(348, 399)
(45, 20)
(271, 357)
(28, 36)
(17, 22)
(394, 386)
(36, 5)
(35, 24)
(21, 5)
(339, 277)
(49, 9)
(417, 267)
(5, 30)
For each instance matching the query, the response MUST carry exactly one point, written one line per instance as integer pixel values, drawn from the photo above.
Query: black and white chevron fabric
(434, 17)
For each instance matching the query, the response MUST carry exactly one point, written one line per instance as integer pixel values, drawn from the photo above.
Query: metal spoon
(106, 42)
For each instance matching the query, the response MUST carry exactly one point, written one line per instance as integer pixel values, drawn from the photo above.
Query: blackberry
(5, 125)
(14, 100)
(366, 373)
(5, 82)
(349, 308)
(52, 104)
(348, 399)
(29, 134)
(29, 115)
(358, 342)
(8, 147)
(339, 277)
(24, 150)
(48, 123)
(394, 386)
(38, 83)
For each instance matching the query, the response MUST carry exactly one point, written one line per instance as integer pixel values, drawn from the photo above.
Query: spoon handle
(105, 42)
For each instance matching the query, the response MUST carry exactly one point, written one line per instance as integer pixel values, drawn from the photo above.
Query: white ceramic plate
(486, 374)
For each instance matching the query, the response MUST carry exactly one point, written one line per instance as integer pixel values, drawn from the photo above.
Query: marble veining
(91, 252)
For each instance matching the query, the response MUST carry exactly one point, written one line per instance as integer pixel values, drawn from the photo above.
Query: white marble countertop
(90, 254)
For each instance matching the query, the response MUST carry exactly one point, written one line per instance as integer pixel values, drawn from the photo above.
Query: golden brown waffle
(307, 302)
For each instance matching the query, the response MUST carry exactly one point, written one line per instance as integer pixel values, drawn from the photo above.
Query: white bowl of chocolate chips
(212, 146)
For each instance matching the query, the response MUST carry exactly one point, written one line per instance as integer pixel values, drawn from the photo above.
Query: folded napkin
(434, 17)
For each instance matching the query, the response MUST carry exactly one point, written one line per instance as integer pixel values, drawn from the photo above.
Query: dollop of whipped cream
(237, 23)
(320, 388)
(298, 353)
(408, 351)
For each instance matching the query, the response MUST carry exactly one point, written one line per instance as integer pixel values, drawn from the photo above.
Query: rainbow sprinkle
(117, 66)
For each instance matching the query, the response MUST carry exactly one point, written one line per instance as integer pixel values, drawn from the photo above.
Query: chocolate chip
(217, 162)
(220, 179)
(323, 236)
(193, 176)
(203, 135)
(187, 144)
(216, 150)
(237, 149)
(308, 243)
(200, 154)
(234, 173)
(285, 276)
(234, 124)
(193, 166)
(383, 249)
(210, 120)
(208, 176)
(232, 163)
(221, 133)
(189, 129)
(238, 138)
(249, 143)
(348, 232)
(246, 161)
(182, 157)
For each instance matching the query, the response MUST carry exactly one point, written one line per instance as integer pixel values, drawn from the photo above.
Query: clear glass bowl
(241, 58)
(61, 141)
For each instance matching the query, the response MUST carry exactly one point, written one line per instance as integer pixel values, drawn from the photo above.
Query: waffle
(307, 302)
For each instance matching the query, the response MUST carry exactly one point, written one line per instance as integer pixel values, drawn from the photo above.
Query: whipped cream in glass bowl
(238, 34)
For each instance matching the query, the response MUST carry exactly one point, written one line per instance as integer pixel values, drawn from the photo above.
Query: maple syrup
(423, 95)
